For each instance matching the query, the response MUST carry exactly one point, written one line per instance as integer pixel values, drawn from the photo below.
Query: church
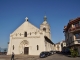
(30, 40)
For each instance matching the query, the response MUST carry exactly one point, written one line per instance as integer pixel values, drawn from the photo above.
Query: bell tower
(46, 28)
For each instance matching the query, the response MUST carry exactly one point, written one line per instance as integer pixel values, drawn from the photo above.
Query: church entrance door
(26, 50)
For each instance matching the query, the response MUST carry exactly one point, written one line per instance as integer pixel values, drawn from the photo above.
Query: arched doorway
(23, 47)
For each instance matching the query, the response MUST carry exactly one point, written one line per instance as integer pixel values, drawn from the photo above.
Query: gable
(26, 27)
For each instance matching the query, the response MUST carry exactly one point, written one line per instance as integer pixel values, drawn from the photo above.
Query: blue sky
(58, 12)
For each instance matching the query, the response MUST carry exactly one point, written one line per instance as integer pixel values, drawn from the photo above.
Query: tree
(5, 50)
(74, 52)
(0, 49)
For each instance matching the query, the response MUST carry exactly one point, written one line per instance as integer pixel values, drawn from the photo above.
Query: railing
(78, 41)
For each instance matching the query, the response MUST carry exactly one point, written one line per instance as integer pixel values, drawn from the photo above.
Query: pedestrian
(12, 57)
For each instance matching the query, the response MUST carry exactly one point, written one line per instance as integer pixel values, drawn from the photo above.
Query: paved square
(26, 57)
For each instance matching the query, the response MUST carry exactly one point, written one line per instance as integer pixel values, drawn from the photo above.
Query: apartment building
(72, 34)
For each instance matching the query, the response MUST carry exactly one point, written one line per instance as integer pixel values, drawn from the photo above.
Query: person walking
(12, 57)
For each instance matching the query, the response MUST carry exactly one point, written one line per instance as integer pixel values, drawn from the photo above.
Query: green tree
(74, 52)
(5, 50)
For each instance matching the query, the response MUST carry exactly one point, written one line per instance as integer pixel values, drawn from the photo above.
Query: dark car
(54, 52)
(66, 51)
(51, 52)
(44, 54)
(48, 53)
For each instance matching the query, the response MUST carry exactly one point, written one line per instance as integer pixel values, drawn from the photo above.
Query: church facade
(30, 40)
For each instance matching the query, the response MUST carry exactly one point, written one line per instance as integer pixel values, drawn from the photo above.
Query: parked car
(51, 52)
(66, 51)
(54, 52)
(44, 54)
(48, 53)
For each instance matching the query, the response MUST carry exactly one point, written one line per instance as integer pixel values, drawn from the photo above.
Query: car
(44, 54)
(48, 53)
(51, 52)
(54, 52)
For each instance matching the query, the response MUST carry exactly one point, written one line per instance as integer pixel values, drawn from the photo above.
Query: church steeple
(45, 27)
(45, 18)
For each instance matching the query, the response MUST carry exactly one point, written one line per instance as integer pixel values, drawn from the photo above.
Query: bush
(74, 52)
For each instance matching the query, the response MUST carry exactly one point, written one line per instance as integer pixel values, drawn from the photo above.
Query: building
(63, 45)
(72, 34)
(60, 46)
(30, 40)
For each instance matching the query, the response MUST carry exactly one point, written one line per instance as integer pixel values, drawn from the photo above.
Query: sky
(58, 12)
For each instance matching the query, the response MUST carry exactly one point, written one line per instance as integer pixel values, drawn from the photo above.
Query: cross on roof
(26, 18)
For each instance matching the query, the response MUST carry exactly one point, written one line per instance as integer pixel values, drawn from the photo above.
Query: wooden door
(26, 50)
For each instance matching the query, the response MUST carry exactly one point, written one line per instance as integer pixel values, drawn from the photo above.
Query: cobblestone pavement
(52, 57)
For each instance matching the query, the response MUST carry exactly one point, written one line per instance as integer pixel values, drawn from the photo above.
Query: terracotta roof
(71, 22)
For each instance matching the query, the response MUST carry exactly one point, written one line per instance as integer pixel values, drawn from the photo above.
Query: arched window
(44, 29)
(25, 34)
(35, 33)
(37, 47)
(30, 33)
(16, 34)
(20, 34)
(13, 47)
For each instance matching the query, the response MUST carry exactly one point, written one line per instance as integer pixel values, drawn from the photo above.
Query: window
(13, 47)
(78, 41)
(37, 47)
(25, 34)
(77, 35)
(20, 34)
(79, 23)
(16, 34)
(30, 33)
(73, 26)
(35, 33)
(58, 47)
(70, 39)
(44, 29)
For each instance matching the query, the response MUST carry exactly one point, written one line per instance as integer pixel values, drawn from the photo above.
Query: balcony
(74, 29)
(77, 41)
